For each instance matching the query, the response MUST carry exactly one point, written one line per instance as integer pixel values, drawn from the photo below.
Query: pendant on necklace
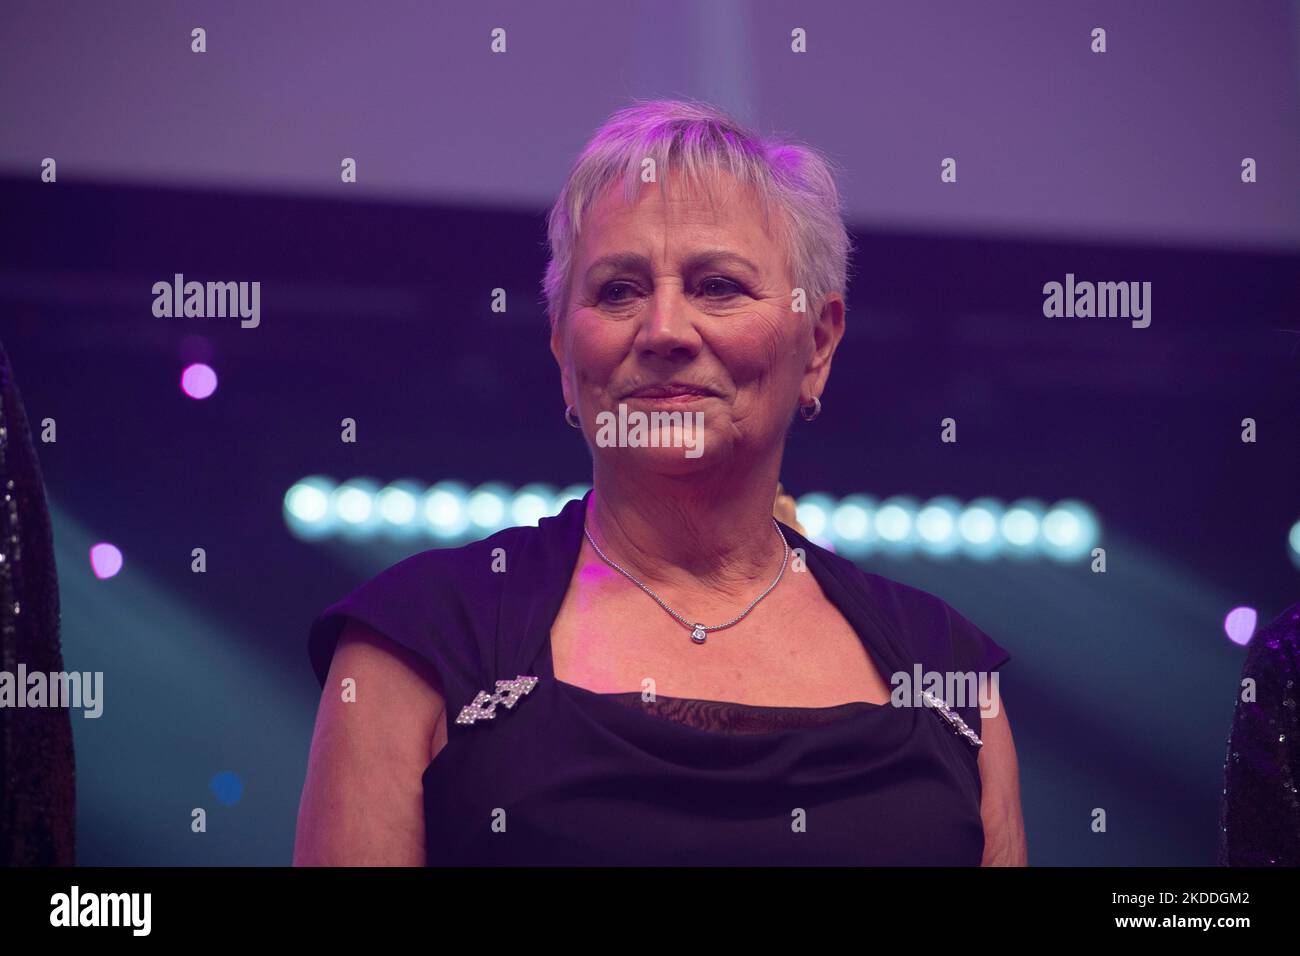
(698, 635)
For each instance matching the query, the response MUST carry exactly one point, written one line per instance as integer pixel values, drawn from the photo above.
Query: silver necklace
(699, 633)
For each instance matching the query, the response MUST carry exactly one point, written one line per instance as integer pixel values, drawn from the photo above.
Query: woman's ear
(558, 350)
(827, 331)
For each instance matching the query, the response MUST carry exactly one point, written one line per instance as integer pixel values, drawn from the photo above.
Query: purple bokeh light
(1240, 624)
(105, 560)
(198, 380)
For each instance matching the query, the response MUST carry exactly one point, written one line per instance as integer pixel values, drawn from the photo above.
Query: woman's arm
(1004, 827)
(362, 802)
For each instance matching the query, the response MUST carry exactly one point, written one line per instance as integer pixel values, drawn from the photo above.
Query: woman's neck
(688, 533)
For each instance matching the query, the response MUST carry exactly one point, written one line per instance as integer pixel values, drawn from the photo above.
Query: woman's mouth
(670, 393)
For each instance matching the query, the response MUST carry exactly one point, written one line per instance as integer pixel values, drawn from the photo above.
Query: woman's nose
(668, 324)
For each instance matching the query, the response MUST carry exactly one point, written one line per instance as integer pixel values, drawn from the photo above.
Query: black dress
(1259, 820)
(573, 777)
(38, 825)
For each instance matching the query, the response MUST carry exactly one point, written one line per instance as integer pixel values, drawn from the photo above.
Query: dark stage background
(1121, 686)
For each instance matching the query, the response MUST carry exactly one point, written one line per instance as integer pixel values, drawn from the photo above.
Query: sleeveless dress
(568, 776)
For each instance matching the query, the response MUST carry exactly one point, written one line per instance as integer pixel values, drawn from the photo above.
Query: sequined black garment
(1260, 820)
(37, 789)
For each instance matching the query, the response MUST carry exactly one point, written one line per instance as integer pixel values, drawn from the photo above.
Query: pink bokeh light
(105, 560)
(1240, 624)
(198, 380)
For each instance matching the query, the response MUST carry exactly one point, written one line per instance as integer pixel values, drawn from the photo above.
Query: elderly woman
(663, 673)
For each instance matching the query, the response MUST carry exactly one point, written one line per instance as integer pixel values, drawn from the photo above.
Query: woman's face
(680, 305)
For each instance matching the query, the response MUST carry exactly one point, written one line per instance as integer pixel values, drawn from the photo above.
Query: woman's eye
(719, 288)
(616, 293)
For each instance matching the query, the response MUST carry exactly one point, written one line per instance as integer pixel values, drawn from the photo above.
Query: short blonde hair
(702, 144)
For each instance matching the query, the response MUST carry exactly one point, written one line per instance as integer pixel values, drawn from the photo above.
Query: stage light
(814, 513)
(105, 560)
(977, 528)
(307, 508)
(1021, 527)
(896, 524)
(936, 526)
(1069, 531)
(486, 506)
(1240, 624)
(531, 503)
(353, 503)
(399, 508)
(853, 524)
(1294, 540)
(198, 380)
(307, 502)
(444, 510)
(571, 493)
(227, 788)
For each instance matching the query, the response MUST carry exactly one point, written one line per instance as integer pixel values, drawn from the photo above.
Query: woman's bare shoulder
(377, 724)
(363, 651)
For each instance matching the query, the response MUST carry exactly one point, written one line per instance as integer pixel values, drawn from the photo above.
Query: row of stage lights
(450, 512)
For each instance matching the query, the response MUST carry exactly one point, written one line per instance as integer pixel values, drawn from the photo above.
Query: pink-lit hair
(794, 185)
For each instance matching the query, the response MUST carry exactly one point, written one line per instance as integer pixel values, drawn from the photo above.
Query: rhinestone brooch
(953, 718)
(484, 705)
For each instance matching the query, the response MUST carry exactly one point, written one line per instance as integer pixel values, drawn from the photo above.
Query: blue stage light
(307, 508)
(856, 525)
(1069, 531)
(853, 527)
(936, 526)
(1021, 527)
(353, 504)
(487, 506)
(444, 510)
(814, 513)
(531, 503)
(565, 495)
(399, 509)
(977, 528)
(896, 524)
